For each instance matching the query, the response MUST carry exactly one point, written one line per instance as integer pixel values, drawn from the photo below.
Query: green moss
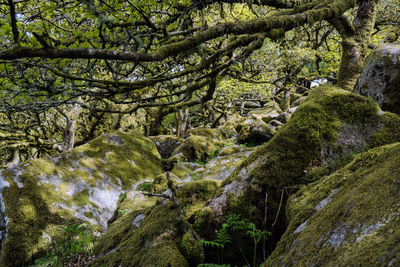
(116, 232)
(307, 141)
(192, 249)
(197, 148)
(207, 132)
(160, 183)
(50, 188)
(154, 242)
(28, 216)
(364, 210)
(389, 133)
(196, 191)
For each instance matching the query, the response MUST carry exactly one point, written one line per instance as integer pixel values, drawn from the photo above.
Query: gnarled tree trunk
(356, 37)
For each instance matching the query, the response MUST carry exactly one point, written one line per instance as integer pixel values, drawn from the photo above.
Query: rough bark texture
(356, 36)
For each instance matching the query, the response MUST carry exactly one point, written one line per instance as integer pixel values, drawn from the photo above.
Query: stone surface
(351, 217)
(380, 78)
(166, 144)
(252, 104)
(82, 185)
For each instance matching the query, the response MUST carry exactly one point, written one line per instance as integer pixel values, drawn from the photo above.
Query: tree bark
(69, 131)
(15, 160)
(184, 123)
(356, 37)
(286, 100)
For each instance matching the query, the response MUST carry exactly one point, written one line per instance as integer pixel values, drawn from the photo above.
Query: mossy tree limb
(356, 36)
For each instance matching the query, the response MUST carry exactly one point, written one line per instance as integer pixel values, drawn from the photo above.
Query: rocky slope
(329, 124)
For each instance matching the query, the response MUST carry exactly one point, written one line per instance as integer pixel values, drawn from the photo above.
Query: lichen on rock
(359, 225)
(84, 184)
(317, 133)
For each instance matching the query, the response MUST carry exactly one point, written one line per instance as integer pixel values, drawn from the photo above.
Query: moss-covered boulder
(85, 184)
(196, 148)
(350, 218)
(149, 237)
(222, 162)
(380, 78)
(159, 235)
(254, 131)
(229, 127)
(166, 144)
(268, 112)
(216, 134)
(330, 124)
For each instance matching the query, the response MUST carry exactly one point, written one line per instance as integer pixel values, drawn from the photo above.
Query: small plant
(223, 238)
(214, 154)
(200, 162)
(75, 240)
(193, 176)
(234, 224)
(145, 186)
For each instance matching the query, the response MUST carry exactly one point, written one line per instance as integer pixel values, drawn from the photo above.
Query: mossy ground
(359, 224)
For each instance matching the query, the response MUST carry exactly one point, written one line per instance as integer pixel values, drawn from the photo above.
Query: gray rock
(251, 104)
(292, 110)
(166, 144)
(275, 123)
(114, 139)
(380, 78)
(284, 117)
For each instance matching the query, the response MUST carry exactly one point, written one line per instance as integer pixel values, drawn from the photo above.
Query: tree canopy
(122, 56)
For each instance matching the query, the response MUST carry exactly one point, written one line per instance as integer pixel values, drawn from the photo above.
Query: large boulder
(380, 78)
(330, 124)
(196, 148)
(350, 218)
(218, 168)
(157, 236)
(166, 144)
(82, 185)
(148, 237)
(254, 131)
(268, 112)
(216, 134)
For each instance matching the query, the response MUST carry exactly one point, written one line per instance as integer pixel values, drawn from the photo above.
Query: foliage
(74, 240)
(145, 186)
(234, 225)
(214, 154)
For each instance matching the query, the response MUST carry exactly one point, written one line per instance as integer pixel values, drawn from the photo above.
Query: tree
(168, 55)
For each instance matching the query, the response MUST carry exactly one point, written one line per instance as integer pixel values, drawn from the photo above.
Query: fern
(211, 243)
(223, 237)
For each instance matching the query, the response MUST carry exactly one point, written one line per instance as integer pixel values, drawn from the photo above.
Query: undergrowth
(235, 225)
(76, 240)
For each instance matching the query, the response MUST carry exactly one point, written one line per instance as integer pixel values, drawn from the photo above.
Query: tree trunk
(69, 131)
(184, 123)
(15, 160)
(156, 118)
(356, 37)
(286, 100)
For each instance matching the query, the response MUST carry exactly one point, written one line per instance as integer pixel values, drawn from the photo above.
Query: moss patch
(81, 185)
(316, 134)
(351, 216)
(389, 133)
(150, 241)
